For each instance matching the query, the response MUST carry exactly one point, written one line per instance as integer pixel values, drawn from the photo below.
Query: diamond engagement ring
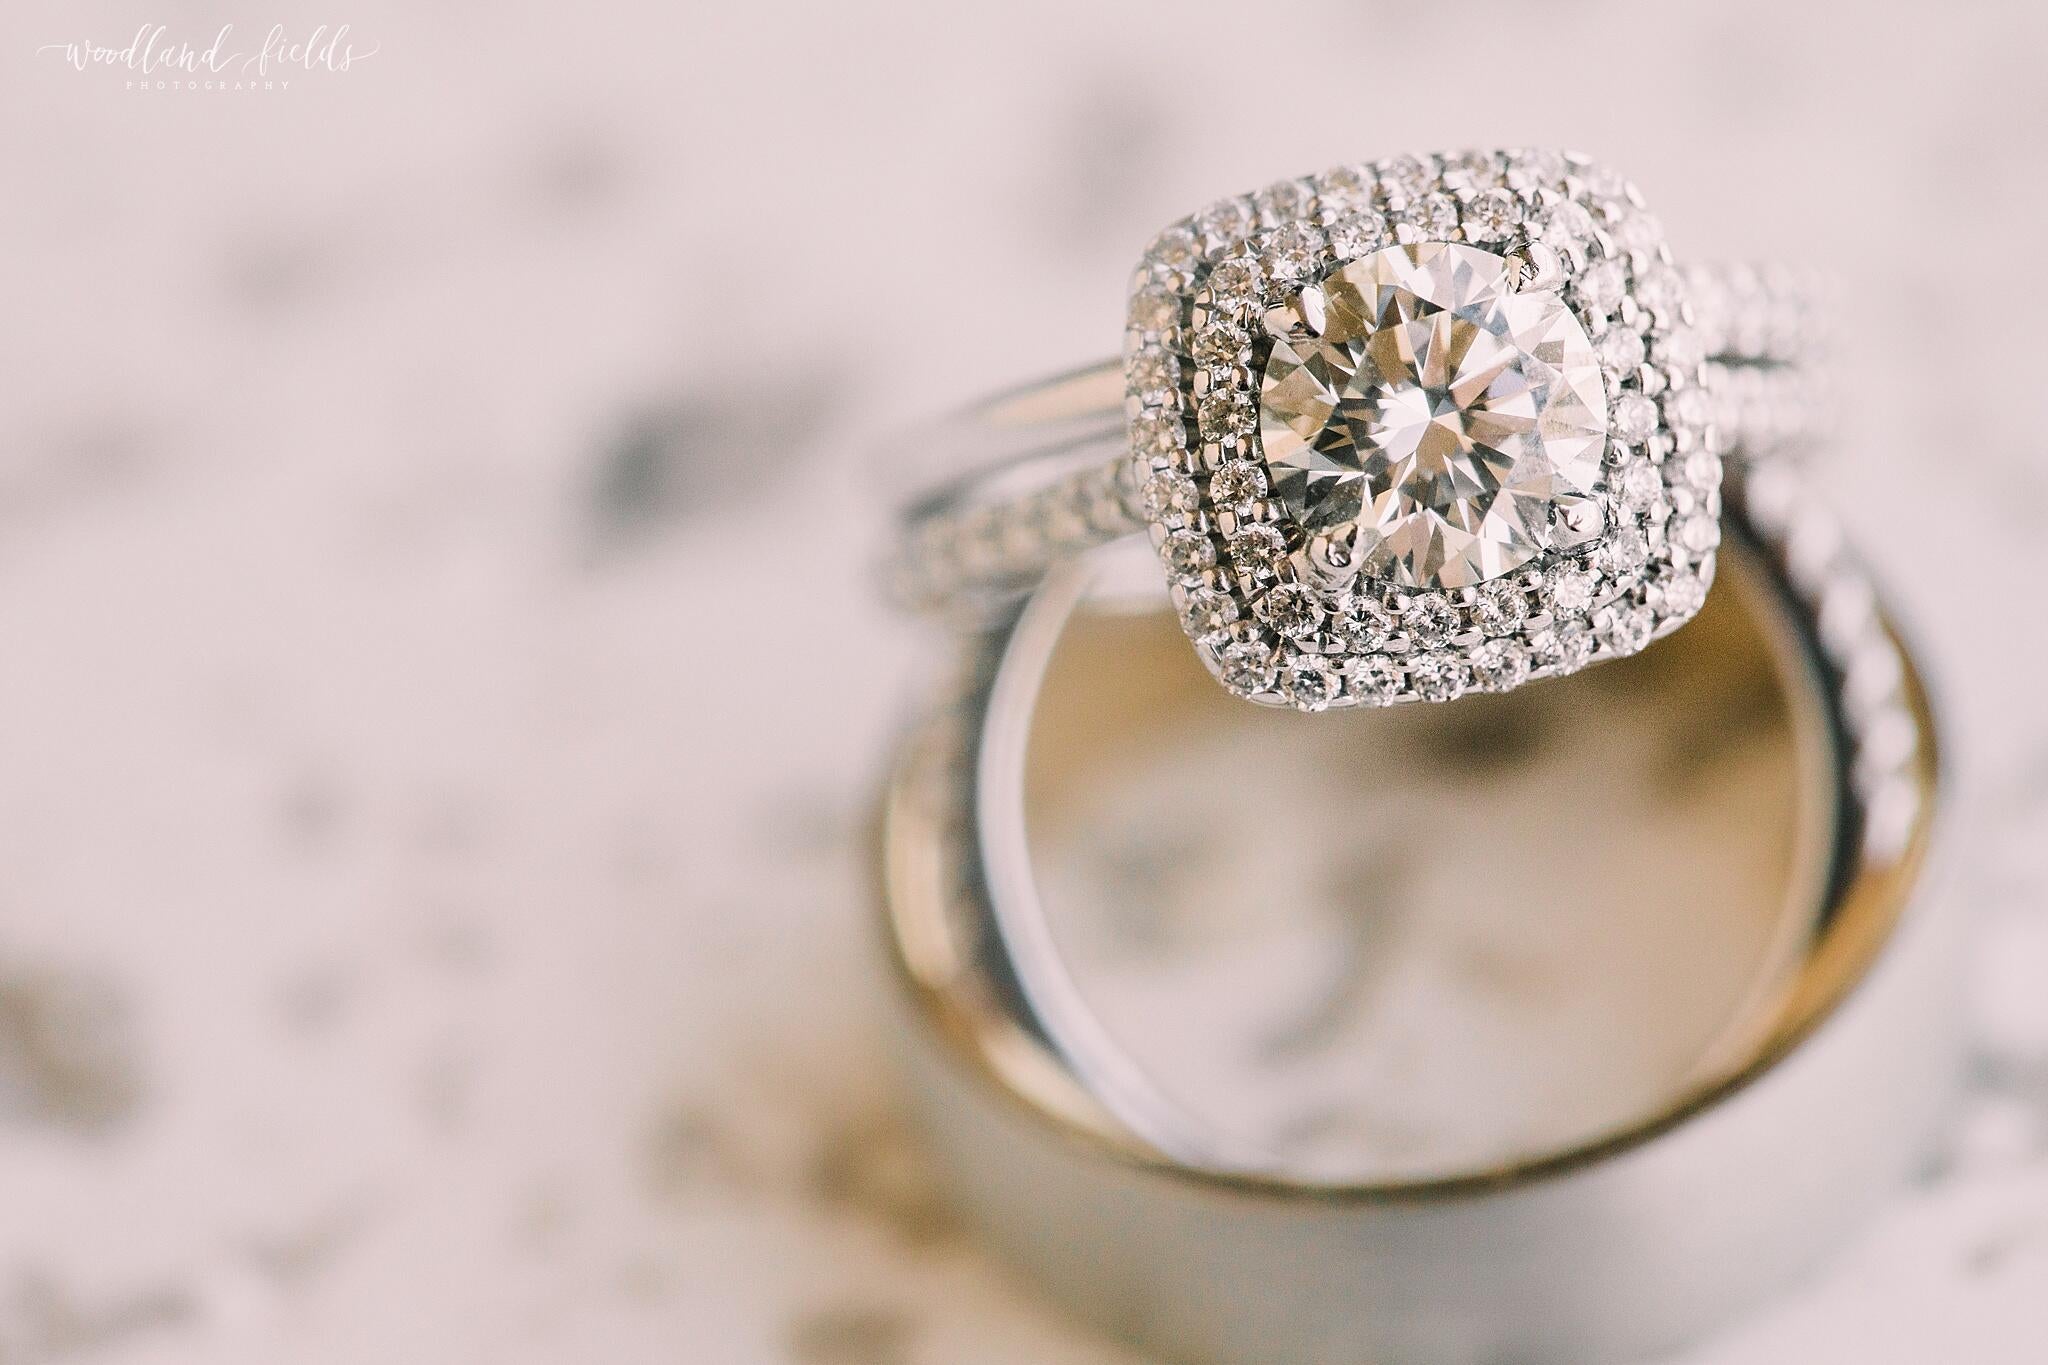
(1399, 431)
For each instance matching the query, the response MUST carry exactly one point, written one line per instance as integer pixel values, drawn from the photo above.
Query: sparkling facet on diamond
(1491, 216)
(1440, 678)
(1258, 550)
(1629, 629)
(1428, 620)
(1188, 554)
(1684, 594)
(1361, 624)
(1500, 666)
(1309, 683)
(1625, 553)
(1235, 280)
(1566, 645)
(1568, 589)
(1224, 412)
(1641, 485)
(1621, 351)
(1169, 494)
(1292, 610)
(1222, 343)
(1405, 176)
(1353, 236)
(1247, 666)
(1207, 611)
(1224, 224)
(1635, 417)
(1602, 285)
(1154, 432)
(1235, 483)
(1416, 404)
(1373, 681)
(1290, 250)
(1154, 310)
(1501, 608)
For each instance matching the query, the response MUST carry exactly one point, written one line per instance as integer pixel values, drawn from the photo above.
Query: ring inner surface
(1414, 943)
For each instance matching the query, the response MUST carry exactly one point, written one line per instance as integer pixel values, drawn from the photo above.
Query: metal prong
(1329, 556)
(1302, 316)
(1533, 265)
(1579, 521)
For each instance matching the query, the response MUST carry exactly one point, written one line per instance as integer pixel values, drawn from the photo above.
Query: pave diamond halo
(1421, 392)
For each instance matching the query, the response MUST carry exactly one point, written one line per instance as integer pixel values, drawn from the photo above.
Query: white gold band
(1623, 1246)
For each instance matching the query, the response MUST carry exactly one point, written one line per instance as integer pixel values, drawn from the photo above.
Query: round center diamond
(1441, 424)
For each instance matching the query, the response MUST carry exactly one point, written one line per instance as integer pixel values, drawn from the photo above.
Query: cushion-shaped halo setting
(1434, 425)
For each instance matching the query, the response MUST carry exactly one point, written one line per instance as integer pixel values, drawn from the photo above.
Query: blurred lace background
(431, 885)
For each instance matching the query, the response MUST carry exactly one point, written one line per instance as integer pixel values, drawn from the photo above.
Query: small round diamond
(1157, 433)
(1246, 666)
(1625, 553)
(1207, 611)
(1628, 630)
(1640, 232)
(1690, 407)
(1235, 483)
(1176, 249)
(1154, 310)
(1440, 678)
(1602, 286)
(1227, 412)
(1308, 682)
(1235, 280)
(1702, 469)
(1660, 292)
(1152, 371)
(1684, 594)
(1491, 216)
(1290, 250)
(1568, 589)
(1699, 533)
(1470, 170)
(1566, 646)
(1501, 607)
(1436, 217)
(1287, 199)
(1374, 682)
(1536, 166)
(1428, 620)
(1361, 624)
(1224, 224)
(1621, 351)
(1258, 550)
(1346, 185)
(1169, 495)
(1635, 417)
(1357, 234)
(1188, 554)
(1405, 176)
(1641, 486)
(1500, 666)
(1680, 350)
(1292, 610)
(1221, 343)
(1567, 226)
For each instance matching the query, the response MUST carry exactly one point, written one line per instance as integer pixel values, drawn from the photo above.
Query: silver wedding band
(1139, 1216)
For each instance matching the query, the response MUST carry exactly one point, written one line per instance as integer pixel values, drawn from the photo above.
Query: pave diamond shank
(1418, 405)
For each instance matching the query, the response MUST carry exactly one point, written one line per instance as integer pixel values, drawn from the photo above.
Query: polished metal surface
(1138, 1213)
